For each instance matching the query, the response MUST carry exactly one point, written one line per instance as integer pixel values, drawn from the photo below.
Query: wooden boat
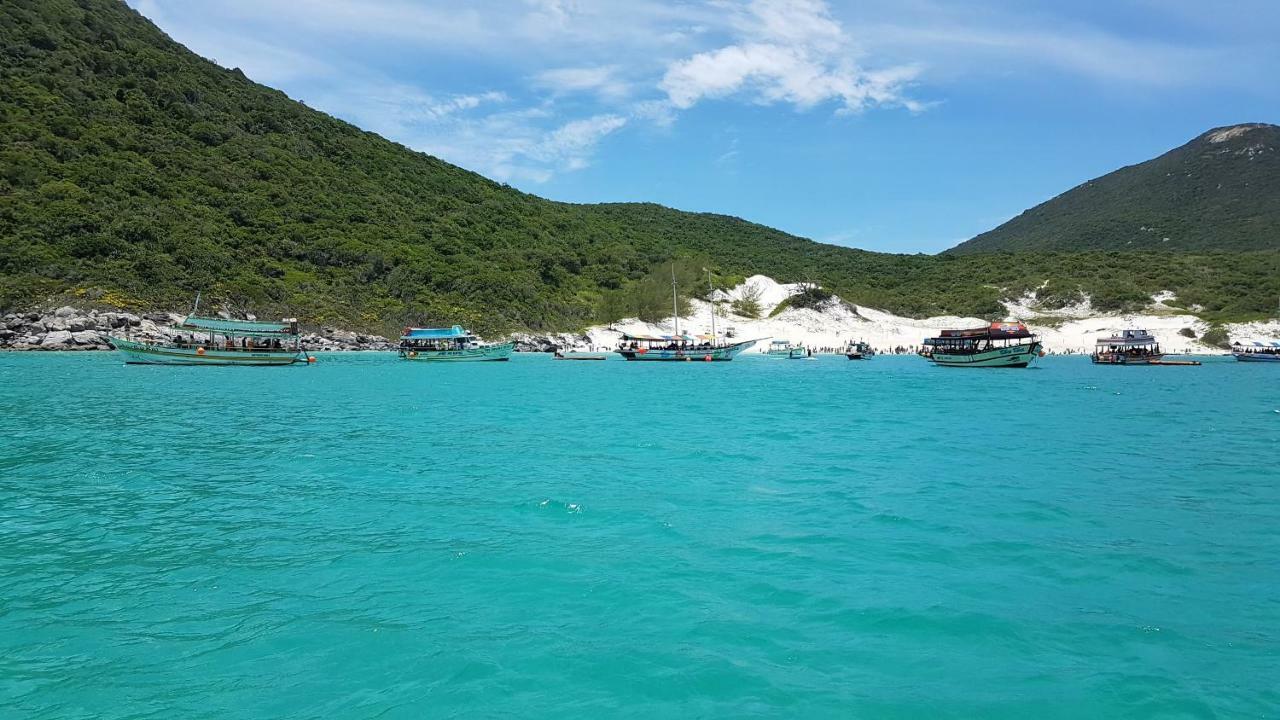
(679, 347)
(1257, 351)
(452, 344)
(858, 351)
(998, 345)
(218, 341)
(1130, 347)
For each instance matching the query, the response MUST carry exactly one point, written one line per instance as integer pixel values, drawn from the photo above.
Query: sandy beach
(1071, 330)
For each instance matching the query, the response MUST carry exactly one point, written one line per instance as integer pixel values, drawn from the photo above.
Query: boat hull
(1126, 360)
(1257, 357)
(1014, 356)
(138, 353)
(718, 354)
(488, 353)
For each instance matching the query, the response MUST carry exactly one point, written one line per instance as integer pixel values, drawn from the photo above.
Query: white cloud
(572, 142)
(602, 80)
(789, 51)
(524, 90)
(518, 145)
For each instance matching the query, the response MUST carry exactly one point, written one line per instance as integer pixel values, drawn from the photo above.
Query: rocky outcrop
(526, 342)
(336, 339)
(68, 328)
(65, 328)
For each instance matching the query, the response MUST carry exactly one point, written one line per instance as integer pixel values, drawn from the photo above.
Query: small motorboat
(576, 356)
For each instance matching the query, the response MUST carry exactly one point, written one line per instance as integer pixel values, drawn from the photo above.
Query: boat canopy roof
(251, 328)
(1127, 337)
(665, 338)
(995, 331)
(1258, 343)
(413, 333)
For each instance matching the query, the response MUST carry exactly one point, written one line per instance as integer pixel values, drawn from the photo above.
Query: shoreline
(827, 329)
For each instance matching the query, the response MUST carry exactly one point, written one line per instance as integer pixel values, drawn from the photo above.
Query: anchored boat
(1130, 347)
(1133, 347)
(575, 355)
(786, 349)
(678, 347)
(858, 351)
(995, 345)
(1257, 351)
(216, 341)
(452, 344)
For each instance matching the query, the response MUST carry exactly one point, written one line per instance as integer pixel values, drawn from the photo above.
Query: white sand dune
(1065, 330)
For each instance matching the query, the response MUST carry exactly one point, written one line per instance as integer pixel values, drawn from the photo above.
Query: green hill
(135, 173)
(1221, 191)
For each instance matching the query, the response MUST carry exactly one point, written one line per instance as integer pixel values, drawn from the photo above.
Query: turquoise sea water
(765, 538)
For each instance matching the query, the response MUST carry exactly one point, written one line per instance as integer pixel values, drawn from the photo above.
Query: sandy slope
(1068, 330)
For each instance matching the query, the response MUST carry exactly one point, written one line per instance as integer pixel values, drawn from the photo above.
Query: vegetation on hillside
(135, 173)
(1221, 191)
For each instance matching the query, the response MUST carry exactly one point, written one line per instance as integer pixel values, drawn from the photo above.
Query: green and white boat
(453, 344)
(998, 345)
(217, 341)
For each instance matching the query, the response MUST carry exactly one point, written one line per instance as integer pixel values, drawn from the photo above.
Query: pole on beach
(711, 291)
(675, 305)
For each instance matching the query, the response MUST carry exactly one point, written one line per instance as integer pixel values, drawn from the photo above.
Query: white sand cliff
(1064, 330)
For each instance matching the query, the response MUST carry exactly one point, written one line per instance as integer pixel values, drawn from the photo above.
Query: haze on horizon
(891, 125)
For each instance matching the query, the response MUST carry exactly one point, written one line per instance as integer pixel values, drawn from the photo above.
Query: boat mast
(711, 290)
(196, 309)
(675, 305)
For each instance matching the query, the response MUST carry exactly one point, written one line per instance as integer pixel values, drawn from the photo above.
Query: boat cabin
(685, 343)
(1129, 346)
(237, 335)
(979, 340)
(1261, 348)
(428, 339)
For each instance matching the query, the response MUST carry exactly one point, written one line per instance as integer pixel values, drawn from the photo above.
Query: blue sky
(893, 125)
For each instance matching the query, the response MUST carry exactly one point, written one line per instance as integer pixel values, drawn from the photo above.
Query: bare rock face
(67, 328)
(547, 343)
(56, 339)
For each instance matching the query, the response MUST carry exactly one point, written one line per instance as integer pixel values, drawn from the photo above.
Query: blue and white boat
(452, 344)
(1256, 351)
(788, 350)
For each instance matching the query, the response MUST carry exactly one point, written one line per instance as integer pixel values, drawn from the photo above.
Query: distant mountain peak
(1220, 191)
(1223, 134)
